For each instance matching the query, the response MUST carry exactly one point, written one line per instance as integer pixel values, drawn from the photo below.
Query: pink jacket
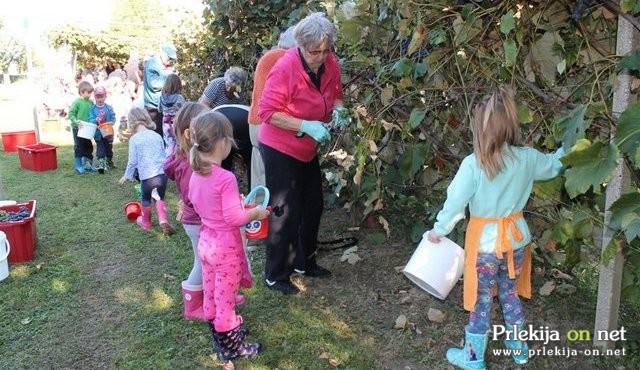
(179, 170)
(216, 198)
(289, 90)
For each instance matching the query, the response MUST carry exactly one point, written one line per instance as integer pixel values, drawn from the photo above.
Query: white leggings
(195, 277)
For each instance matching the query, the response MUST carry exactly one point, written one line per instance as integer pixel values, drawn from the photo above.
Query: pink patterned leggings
(221, 276)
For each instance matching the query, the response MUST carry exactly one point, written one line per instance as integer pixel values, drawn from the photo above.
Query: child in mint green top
(80, 108)
(495, 182)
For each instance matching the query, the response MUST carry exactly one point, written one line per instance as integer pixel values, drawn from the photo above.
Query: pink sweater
(217, 200)
(179, 170)
(289, 90)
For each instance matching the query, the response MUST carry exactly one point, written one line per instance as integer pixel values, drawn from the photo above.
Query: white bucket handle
(252, 194)
(6, 255)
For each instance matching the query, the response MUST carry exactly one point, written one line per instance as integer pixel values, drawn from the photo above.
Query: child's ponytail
(198, 165)
(207, 130)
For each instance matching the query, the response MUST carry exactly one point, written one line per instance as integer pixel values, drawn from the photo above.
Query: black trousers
(238, 116)
(295, 189)
(81, 147)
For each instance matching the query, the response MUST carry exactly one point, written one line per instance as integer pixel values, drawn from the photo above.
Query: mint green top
(504, 195)
(80, 111)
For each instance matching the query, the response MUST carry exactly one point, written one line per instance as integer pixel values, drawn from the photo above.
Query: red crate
(21, 234)
(38, 157)
(10, 140)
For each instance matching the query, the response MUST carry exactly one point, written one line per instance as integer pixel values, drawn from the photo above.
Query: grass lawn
(103, 294)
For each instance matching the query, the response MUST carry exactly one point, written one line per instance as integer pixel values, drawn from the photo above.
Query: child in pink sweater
(214, 193)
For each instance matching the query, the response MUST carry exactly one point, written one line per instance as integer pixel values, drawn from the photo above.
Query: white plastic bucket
(436, 268)
(87, 130)
(7, 203)
(5, 248)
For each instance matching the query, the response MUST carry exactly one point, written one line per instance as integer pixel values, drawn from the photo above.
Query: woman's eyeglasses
(317, 53)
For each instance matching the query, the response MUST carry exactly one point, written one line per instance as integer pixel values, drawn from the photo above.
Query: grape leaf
(572, 126)
(625, 215)
(628, 133)
(591, 165)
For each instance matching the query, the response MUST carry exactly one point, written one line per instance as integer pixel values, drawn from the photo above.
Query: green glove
(340, 118)
(316, 130)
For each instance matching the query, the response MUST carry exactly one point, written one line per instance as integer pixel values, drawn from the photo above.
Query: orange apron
(503, 245)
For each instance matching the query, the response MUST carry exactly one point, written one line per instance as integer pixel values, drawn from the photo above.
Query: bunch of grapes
(22, 213)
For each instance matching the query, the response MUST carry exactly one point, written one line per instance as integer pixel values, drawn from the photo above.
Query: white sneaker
(269, 282)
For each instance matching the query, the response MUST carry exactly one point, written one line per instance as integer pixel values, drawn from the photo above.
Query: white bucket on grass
(87, 130)
(436, 268)
(5, 248)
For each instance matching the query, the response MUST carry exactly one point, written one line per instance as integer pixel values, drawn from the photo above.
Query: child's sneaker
(102, 165)
(110, 164)
(88, 164)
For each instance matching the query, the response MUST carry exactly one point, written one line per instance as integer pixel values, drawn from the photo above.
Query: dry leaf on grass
(332, 361)
(547, 288)
(401, 322)
(39, 266)
(350, 256)
(405, 299)
(435, 315)
(168, 276)
(25, 321)
(560, 275)
(398, 269)
(566, 289)
(385, 226)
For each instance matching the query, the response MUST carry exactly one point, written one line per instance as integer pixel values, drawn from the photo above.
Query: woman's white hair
(314, 29)
(235, 76)
(287, 40)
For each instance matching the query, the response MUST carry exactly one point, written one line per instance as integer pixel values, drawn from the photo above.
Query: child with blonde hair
(146, 154)
(495, 181)
(214, 194)
(171, 100)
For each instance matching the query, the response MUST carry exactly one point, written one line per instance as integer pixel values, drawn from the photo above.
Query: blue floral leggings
(492, 270)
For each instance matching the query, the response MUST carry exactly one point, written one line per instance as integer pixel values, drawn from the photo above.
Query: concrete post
(610, 278)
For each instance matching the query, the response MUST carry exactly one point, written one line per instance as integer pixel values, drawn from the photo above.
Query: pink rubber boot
(166, 227)
(192, 298)
(144, 220)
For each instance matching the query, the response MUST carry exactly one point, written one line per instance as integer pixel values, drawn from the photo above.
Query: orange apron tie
(506, 225)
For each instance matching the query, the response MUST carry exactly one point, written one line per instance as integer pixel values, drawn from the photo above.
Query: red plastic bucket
(132, 210)
(257, 229)
(106, 129)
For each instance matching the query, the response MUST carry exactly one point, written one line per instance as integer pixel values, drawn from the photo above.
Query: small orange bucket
(257, 229)
(106, 129)
(132, 210)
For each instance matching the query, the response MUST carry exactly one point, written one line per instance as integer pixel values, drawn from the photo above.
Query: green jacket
(79, 111)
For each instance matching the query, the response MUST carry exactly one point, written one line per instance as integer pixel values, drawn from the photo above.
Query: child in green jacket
(79, 112)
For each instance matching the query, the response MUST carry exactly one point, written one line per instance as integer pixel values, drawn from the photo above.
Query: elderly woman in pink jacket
(301, 93)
